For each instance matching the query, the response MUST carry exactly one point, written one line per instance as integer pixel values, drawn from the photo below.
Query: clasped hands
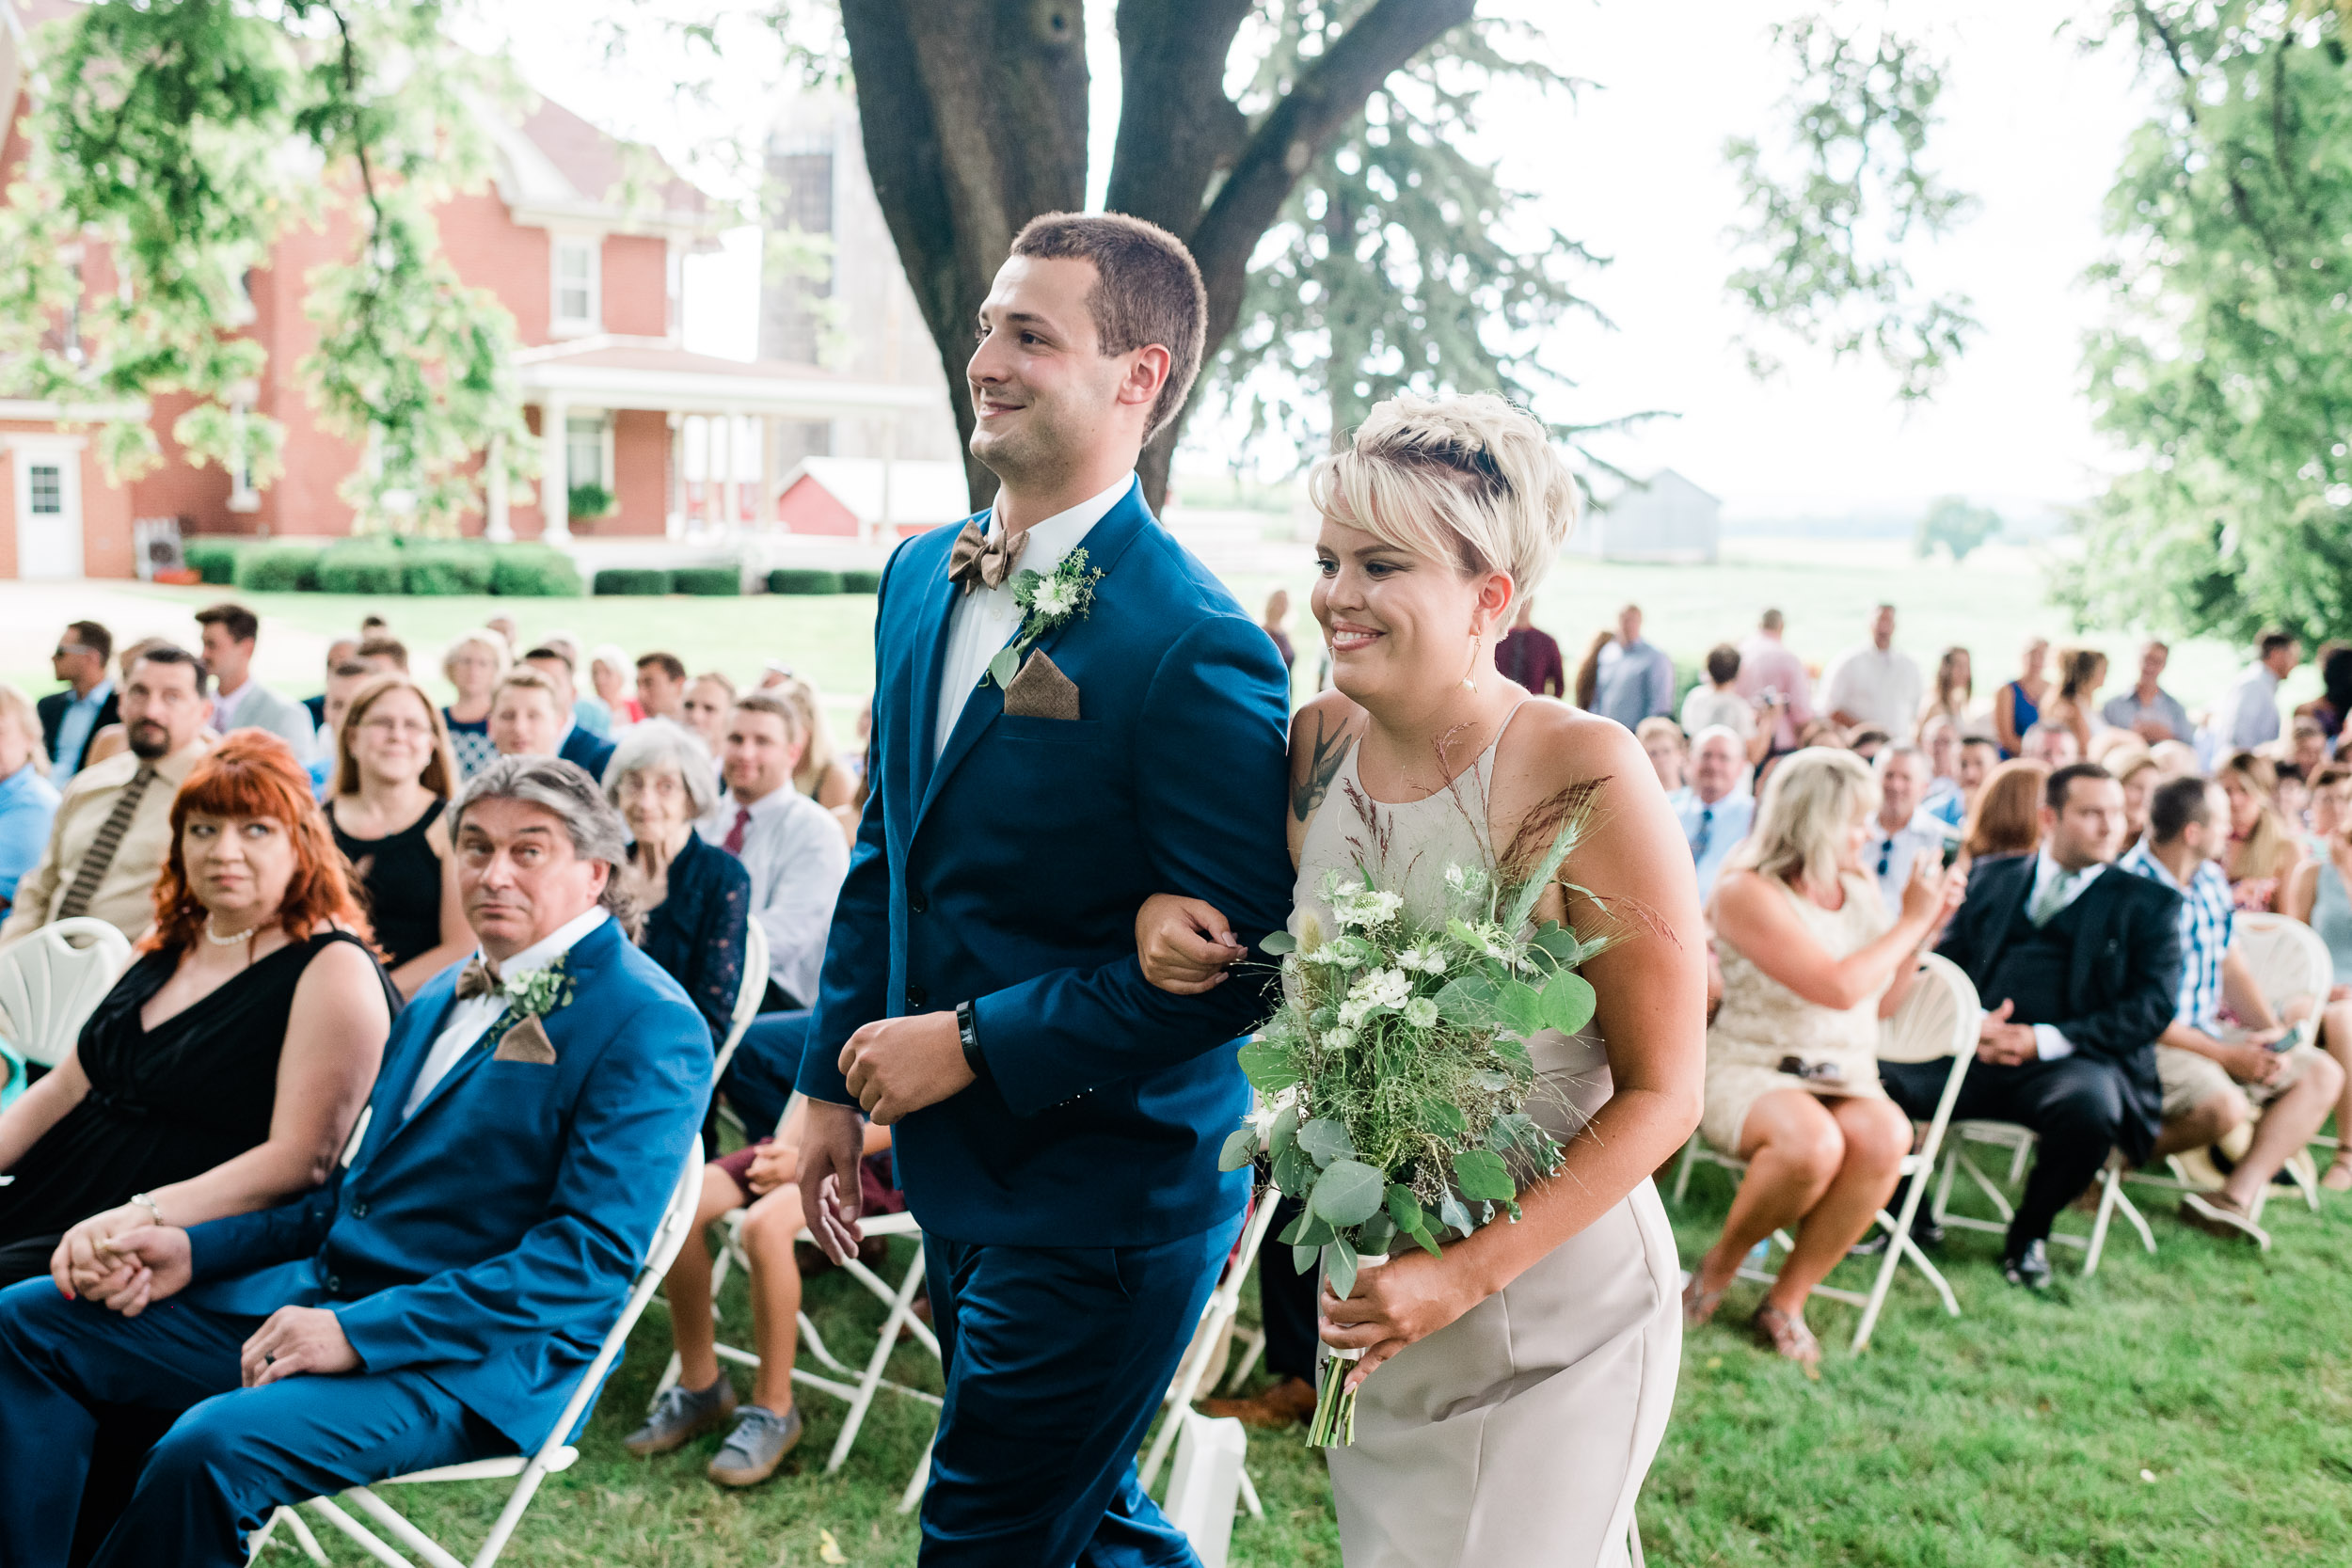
(2001, 1043)
(129, 1268)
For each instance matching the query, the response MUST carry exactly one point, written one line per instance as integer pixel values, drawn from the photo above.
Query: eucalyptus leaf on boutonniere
(533, 996)
(1047, 600)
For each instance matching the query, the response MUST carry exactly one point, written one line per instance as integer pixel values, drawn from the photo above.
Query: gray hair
(565, 789)
(664, 743)
(1898, 748)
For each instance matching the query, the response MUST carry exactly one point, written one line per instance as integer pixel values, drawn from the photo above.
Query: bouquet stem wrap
(1334, 1423)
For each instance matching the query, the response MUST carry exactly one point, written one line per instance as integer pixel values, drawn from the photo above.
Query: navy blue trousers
(235, 1453)
(767, 1063)
(1057, 1358)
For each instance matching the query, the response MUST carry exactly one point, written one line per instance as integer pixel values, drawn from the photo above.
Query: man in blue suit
(436, 1301)
(1042, 765)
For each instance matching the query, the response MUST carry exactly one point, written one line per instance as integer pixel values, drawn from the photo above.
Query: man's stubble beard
(146, 750)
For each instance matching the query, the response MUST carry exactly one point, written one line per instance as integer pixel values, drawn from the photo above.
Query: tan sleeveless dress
(1762, 1024)
(1519, 1434)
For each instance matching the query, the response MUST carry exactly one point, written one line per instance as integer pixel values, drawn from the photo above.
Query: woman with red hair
(224, 1071)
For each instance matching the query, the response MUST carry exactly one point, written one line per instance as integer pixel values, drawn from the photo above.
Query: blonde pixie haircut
(1474, 479)
(1809, 801)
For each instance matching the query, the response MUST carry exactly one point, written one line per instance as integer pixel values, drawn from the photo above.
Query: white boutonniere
(539, 992)
(1047, 600)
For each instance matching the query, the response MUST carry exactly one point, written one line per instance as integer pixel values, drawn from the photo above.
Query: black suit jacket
(52, 710)
(2124, 984)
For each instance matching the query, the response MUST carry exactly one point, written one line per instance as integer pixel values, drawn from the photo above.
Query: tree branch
(1176, 126)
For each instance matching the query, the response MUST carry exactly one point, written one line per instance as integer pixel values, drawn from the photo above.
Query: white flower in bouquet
(1365, 908)
(1384, 987)
(1339, 1039)
(1422, 1012)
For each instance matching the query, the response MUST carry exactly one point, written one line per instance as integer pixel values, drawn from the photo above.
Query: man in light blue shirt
(1901, 832)
(2148, 711)
(2248, 713)
(70, 717)
(1714, 818)
(1636, 679)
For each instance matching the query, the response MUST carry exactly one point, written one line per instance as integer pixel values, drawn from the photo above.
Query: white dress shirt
(981, 621)
(2248, 714)
(2048, 1043)
(1712, 829)
(1891, 856)
(796, 855)
(470, 1019)
(1878, 685)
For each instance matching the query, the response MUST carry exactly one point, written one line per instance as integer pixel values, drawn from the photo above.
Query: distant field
(1826, 587)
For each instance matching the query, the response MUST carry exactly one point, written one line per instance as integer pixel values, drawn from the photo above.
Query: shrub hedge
(534, 571)
(360, 566)
(635, 581)
(216, 559)
(273, 568)
(861, 582)
(437, 569)
(803, 580)
(711, 582)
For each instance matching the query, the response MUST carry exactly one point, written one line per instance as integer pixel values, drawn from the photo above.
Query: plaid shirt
(2207, 920)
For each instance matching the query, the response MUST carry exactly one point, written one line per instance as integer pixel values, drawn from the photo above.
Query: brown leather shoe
(1287, 1404)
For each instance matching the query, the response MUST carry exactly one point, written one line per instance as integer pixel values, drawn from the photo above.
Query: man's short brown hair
(1146, 290)
(669, 664)
(241, 623)
(768, 702)
(386, 647)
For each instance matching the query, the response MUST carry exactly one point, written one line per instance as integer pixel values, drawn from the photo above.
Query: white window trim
(559, 324)
(608, 475)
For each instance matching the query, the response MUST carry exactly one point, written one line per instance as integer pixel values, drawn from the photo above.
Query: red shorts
(873, 1179)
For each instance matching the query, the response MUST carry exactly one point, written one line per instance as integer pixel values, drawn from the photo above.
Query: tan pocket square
(526, 1042)
(1041, 691)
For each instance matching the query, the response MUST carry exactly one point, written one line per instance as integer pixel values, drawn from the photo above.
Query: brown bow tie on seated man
(978, 563)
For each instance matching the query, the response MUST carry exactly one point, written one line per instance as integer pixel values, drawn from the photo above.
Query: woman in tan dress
(1812, 960)
(1513, 1391)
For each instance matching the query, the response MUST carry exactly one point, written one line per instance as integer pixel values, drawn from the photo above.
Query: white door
(48, 509)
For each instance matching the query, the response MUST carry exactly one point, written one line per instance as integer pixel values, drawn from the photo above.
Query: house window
(47, 483)
(576, 306)
(583, 451)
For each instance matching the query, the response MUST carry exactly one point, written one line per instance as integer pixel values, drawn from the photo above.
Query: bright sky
(1633, 166)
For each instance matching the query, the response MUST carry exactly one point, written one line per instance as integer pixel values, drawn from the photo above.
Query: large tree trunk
(974, 120)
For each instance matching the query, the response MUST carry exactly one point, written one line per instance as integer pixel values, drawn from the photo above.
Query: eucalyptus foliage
(171, 143)
(2226, 371)
(1826, 217)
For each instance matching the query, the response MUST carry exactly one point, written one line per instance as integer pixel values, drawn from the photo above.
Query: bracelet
(968, 1034)
(142, 1200)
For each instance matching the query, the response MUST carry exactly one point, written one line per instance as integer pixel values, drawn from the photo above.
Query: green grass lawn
(2017, 1434)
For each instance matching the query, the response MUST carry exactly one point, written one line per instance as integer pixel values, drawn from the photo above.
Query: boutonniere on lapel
(534, 996)
(1047, 601)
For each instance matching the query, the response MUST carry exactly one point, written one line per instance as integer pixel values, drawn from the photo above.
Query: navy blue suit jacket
(488, 1239)
(587, 750)
(1009, 872)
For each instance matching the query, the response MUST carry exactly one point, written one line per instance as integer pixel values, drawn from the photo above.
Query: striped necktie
(100, 856)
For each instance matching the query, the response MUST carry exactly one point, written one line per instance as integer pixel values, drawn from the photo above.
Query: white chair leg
(1250, 1496)
(2130, 1211)
(871, 1379)
(922, 1478)
(303, 1538)
(366, 1539)
(1254, 1340)
(1682, 1172)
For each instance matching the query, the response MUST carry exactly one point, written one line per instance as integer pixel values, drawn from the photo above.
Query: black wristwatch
(968, 1033)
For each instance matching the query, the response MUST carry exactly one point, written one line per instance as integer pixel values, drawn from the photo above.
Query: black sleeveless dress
(401, 879)
(163, 1106)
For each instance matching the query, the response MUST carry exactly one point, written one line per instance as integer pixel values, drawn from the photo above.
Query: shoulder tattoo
(1322, 766)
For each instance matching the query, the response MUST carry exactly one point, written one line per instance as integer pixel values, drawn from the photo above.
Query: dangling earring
(1469, 680)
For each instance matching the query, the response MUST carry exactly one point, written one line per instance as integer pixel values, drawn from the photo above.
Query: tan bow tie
(480, 978)
(975, 562)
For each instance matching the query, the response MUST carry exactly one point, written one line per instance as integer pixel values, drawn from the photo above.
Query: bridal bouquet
(1393, 1080)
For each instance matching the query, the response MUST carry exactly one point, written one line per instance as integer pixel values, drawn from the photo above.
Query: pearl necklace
(229, 941)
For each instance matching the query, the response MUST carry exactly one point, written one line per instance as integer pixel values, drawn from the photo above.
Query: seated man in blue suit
(437, 1302)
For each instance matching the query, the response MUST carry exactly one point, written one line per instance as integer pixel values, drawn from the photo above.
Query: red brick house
(592, 272)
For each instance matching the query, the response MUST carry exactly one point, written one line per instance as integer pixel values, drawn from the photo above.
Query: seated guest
(2217, 1076)
(344, 682)
(2081, 673)
(2308, 748)
(2264, 853)
(2175, 759)
(87, 704)
(113, 826)
(2320, 896)
(437, 1301)
(1867, 744)
(1714, 819)
(337, 650)
(588, 709)
(112, 740)
(28, 801)
(393, 779)
(526, 718)
(820, 775)
(2017, 706)
(759, 1179)
(572, 744)
(2136, 771)
(1978, 758)
(474, 665)
(2148, 711)
(1940, 744)
(229, 632)
(224, 1071)
(607, 671)
(2054, 746)
(2079, 971)
(695, 896)
(660, 686)
(709, 698)
(1716, 700)
(795, 856)
(1901, 833)
(2292, 796)
(381, 651)
(1812, 960)
(1669, 753)
(2007, 816)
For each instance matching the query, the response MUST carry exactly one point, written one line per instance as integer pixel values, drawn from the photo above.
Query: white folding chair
(2295, 972)
(51, 981)
(748, 995)
(1208, 1348)
(862, 1383)
(553, 1455)
(2020, 1141)
(1936, 1020)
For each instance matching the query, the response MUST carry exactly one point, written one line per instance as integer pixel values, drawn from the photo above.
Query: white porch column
(676, 489)
(555, 488)
(496, 524)
(731, 491)
(767, 473)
